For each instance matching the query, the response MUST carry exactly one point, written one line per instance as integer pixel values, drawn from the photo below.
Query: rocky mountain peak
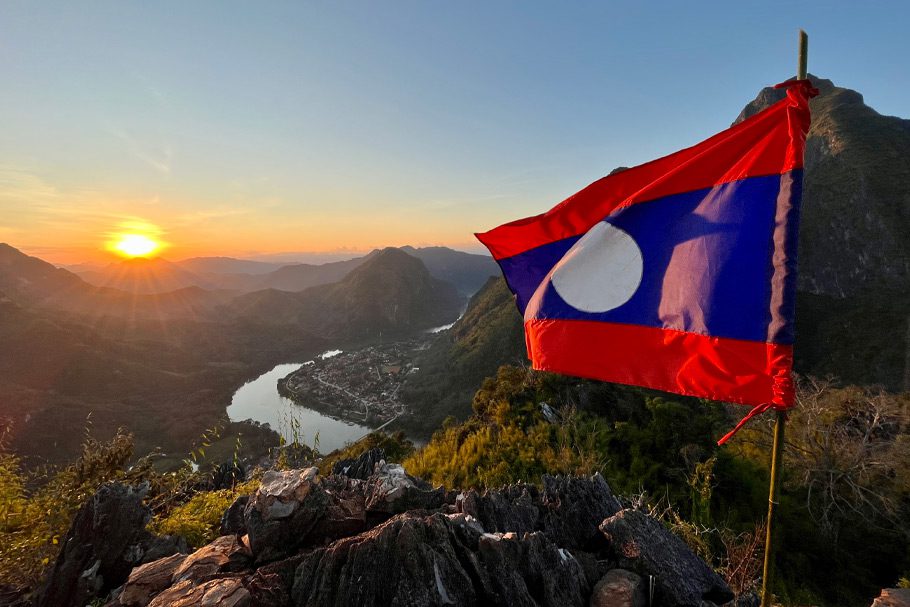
(856, 206)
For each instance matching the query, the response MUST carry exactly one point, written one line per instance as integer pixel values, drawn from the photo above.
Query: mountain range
(466, 271)
(166, 364)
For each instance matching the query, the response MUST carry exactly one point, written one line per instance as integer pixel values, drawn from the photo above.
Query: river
(259, 400)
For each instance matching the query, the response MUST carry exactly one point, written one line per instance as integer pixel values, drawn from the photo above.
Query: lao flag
(678, 274)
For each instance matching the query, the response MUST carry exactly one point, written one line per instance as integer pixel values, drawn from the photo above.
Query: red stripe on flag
(769, 143)
(732, 370)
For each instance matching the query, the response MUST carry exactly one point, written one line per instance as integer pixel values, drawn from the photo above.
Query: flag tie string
(758, 410)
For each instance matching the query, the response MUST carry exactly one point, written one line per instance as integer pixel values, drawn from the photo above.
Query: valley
(166, 366)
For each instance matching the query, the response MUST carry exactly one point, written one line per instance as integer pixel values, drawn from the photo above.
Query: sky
(245, 129)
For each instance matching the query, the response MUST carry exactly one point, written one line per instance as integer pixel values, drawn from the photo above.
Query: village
(359, 386)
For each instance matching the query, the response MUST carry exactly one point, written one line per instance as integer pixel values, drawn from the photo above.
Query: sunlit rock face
(391, 539)
(856, 204)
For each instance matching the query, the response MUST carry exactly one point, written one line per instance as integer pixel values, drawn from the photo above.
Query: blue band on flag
(706, 263)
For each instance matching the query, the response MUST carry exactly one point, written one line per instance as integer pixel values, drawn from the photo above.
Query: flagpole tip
(802, 71)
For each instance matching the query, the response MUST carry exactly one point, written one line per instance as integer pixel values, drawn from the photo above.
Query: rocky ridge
(303, 539)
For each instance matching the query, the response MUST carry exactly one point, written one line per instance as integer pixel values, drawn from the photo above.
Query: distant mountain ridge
(392, 293)
(165, 365)
(467, 271)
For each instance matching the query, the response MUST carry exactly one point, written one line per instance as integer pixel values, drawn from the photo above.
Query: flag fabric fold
(678, 274)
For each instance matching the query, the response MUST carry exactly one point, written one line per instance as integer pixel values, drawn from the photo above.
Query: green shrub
(198, 520)
(34, 523)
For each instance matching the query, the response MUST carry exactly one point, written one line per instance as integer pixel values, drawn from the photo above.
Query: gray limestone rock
(640, 543)
(101, 547)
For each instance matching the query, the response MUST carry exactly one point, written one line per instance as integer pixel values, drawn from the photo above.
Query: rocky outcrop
(855, 211)
(362, 467)
(102, 546)
(567, 510)
(391, 539)
(440, 560)
(391, 490)
(640, 543)
(298, 508)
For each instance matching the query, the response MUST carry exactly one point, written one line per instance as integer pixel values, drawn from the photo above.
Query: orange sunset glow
(135, 239)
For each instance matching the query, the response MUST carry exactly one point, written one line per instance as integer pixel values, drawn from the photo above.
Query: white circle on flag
(601, 271)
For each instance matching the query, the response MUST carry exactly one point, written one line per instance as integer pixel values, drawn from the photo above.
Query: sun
(135, 245)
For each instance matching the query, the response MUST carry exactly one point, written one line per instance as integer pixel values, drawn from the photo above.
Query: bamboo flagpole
(780, 424)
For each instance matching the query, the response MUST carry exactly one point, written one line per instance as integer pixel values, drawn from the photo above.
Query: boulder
(284, 510)
(573, 507)
(567, 510)
(620, 588)
(224, 555)
(390, 490)
(641, 543)
(362, 467)
(232, 520)
(149, 580)
(100, 548)
(221, 592)
(298, 508)
(893, 597)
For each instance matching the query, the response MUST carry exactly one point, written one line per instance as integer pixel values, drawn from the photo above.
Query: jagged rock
(573, 508)
(346, 512)
(160, 546)
(101, 547)
(225, 555)
(283, 511)
(408, 560)
(232, 520)
(512, 508)
(222, 592)
(148, 580)
(391, 490)
(530, 570)
(893, 597)
(568, 509)
(271, 584)
(362, 467)
(295, 508)
(644, 545)
(438, 559)
(619, 588)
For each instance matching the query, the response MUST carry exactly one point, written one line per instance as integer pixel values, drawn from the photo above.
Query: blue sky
(240, 128)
